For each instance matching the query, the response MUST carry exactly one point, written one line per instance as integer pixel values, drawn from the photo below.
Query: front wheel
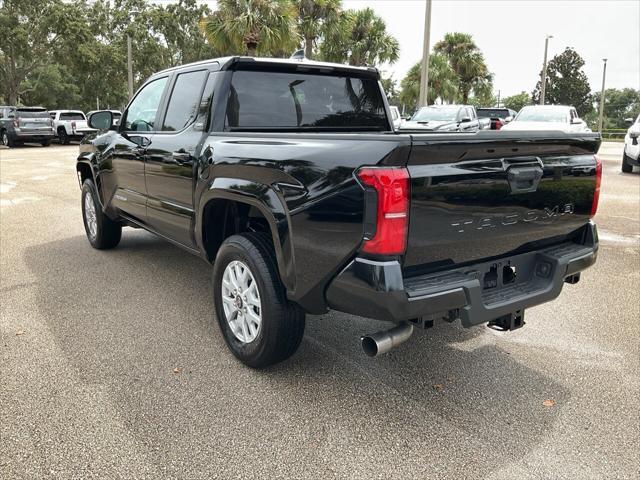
(260, 326)
(102, 232)
(6, 139)
(626, 165)
(46, 142)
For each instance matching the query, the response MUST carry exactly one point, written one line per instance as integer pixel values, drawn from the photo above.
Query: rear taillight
(73, 125)
(596, 193)
(16, 122)
(498, 124)
(391, 203)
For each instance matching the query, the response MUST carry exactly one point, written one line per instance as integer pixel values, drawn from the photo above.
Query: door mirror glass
(101, 120)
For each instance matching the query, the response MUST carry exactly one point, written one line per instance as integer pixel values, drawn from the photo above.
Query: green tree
(566, 83)
(618, 105)
(443, 83)
(359, 38)
(252, 27)
(33, 33)
(516, 102)
(315, 18)
(390, 89)
(177, 27)
(467, 61)
(69, 53)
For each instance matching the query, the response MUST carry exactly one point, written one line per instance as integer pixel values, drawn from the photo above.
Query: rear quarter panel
(311, 176)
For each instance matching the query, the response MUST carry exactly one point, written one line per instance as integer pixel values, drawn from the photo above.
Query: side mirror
(634, 133)
(465, 120)
(628, 121)
(576, 121)
(507, 119)
(101, 120)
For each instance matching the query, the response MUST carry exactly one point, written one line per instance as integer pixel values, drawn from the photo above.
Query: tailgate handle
(524, 179)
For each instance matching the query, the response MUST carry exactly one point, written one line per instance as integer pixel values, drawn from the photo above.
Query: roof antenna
(298, 55)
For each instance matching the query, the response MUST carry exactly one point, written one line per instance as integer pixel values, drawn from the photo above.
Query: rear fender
(269, 203)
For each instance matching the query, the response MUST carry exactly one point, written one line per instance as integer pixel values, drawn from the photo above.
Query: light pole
(544, 69)
(129, 66)
(604, 75)
(424, 74)
(129, 56)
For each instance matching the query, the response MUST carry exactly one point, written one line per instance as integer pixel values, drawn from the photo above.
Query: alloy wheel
(241, 301)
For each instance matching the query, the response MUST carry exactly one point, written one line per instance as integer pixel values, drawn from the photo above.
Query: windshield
(438, 114)
(537, 114)
(493, 112)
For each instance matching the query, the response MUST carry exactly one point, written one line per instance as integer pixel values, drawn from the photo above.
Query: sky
(511, 35)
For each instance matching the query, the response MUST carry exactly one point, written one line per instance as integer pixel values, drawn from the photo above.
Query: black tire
(46, 142)
(626, 166)
(282, 323)
(63, 138)
(107, 232)
(6, 139)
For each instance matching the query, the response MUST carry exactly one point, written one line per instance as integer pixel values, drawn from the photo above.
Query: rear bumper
(34, 135)
(632, 152)
(378, 290)
(81, 133)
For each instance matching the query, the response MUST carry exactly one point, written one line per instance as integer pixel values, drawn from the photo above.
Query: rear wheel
(46, 142)
(261, 327)
(626, 165)
(63, 138)
(102, 232)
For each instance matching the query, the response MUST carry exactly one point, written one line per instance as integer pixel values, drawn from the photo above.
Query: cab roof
(233, 63)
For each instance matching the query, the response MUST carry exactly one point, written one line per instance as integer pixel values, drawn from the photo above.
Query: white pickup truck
(69, 124)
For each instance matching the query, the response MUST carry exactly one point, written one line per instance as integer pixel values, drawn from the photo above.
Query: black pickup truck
(288, 177)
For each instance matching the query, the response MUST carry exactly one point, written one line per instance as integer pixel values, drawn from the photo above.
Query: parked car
(631, 152)
(25, 124)
(268, 181)
(548, 117)
(445, 118)
(117, 114)
(70, 125)
(395, 116)
(497, 115)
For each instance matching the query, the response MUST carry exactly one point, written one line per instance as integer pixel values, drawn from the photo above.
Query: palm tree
(316, 17)
(467, 62)
(360, 38)
(443, 82)
(252, 27)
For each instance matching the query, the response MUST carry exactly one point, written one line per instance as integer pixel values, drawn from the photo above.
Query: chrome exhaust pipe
(381, 342)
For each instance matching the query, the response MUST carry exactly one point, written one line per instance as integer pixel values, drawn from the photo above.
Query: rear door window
(185, 100)
(272, 100)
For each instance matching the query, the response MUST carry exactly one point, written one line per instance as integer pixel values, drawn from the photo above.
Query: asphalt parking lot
(112, 367)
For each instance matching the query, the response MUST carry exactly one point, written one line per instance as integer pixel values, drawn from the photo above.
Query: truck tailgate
(493, 193)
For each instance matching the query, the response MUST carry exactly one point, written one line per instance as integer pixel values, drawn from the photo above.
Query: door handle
(181, 157)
